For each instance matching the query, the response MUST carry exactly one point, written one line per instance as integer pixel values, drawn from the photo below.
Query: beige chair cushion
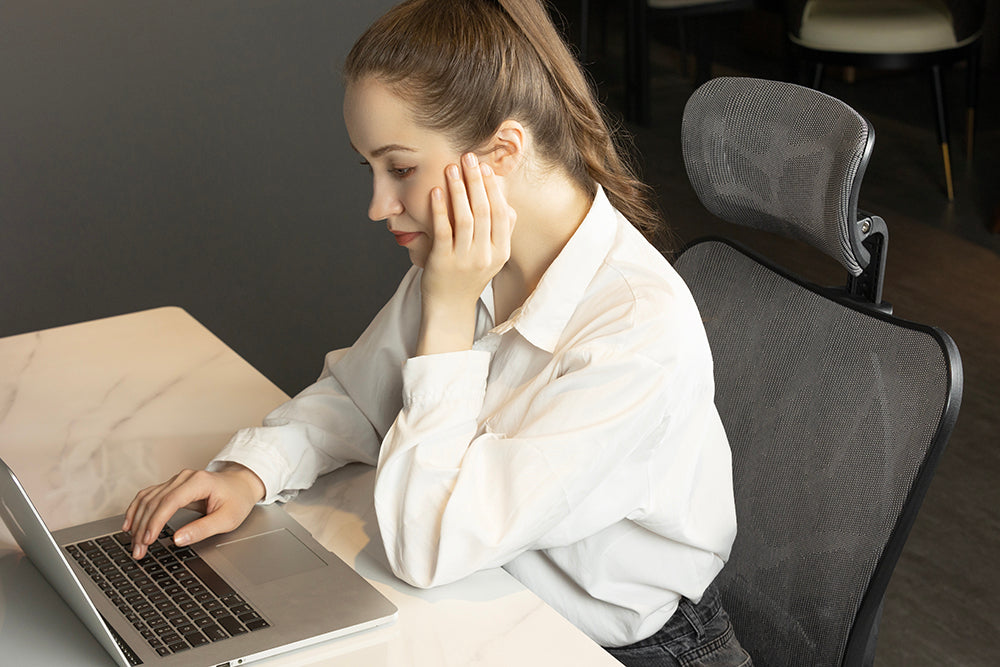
(877, 26)
(678, 4)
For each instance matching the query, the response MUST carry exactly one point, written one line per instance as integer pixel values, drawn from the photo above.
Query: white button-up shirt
(577, 444)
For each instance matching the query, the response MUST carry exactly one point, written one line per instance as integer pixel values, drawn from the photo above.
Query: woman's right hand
(225, 497)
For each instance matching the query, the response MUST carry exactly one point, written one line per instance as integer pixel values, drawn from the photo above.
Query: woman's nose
(384, 204)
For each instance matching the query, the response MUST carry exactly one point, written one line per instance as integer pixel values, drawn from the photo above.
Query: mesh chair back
(835, 417)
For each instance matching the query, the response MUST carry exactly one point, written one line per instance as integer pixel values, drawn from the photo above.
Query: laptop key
(188, 605)
(177, 647)
(209, 577)
(88, 546)
(232, 600)
(259, 624)
(232, 626)
(195, 638)
(214, 632)
(186, 628)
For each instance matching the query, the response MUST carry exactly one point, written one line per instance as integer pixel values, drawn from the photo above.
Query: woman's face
(406, 162)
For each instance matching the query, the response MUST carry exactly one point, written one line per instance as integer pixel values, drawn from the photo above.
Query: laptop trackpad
(270, 556)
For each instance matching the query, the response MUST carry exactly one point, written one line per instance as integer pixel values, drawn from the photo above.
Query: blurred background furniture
(837, 411)
(894, 34)
(696, 29)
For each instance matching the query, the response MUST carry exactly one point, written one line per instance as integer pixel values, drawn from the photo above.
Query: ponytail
(468, 65)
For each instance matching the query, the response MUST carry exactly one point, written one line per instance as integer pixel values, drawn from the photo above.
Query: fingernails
(437, 193)
(485, 168)
(452, 171)
(182, 539)
(137, 552)
(470, 159)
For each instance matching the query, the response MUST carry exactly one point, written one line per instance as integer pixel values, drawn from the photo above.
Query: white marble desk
(91, 412)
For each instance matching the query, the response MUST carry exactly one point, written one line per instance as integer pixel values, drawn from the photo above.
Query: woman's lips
(404, 238)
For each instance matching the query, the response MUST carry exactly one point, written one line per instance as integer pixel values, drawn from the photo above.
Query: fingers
(502, 216)
(443, 242)
(478, 201)
(462, 223)
(480, 215)
(152, 508)
(227, 496)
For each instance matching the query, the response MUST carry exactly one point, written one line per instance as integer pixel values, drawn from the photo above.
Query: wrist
(253, 483)
(446, 326)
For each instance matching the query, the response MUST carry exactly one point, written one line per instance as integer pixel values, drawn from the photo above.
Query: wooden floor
(943, 604)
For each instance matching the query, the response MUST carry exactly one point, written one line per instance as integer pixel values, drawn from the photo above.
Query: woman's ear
(505, 150)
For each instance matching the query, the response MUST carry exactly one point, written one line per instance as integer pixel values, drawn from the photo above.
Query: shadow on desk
(342, 502)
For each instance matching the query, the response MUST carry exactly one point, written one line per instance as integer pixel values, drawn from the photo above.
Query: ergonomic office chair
(837, 411)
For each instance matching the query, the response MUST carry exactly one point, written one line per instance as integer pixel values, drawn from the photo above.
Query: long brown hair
(465, 66)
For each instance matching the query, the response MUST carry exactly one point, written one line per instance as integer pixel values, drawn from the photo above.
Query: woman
(538, 393)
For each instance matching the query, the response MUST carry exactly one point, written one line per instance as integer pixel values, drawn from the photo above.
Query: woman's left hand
(470, 247)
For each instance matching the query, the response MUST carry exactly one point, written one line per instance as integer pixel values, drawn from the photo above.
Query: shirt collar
(544, 315)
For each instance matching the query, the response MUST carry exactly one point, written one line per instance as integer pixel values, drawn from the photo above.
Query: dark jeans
(697, 635)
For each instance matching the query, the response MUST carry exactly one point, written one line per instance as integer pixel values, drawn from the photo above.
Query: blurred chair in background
(894, 34)
(696, 27)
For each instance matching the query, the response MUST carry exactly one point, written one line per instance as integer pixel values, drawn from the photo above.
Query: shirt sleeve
(453, 497)
(344, 415)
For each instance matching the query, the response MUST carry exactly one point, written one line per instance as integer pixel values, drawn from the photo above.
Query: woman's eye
(401, 172)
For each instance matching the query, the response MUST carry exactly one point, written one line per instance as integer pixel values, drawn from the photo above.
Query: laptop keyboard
(172, 597)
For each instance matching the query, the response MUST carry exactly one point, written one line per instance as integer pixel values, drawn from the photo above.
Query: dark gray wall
(188, 153)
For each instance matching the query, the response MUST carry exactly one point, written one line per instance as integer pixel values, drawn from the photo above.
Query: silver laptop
(263, 589)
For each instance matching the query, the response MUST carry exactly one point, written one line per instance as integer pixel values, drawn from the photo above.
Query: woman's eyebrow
(382, 150)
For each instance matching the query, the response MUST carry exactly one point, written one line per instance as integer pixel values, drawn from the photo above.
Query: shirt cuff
(248, 450)
(453, 379)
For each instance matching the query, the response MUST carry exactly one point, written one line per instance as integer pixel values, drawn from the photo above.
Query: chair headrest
(782, 158)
